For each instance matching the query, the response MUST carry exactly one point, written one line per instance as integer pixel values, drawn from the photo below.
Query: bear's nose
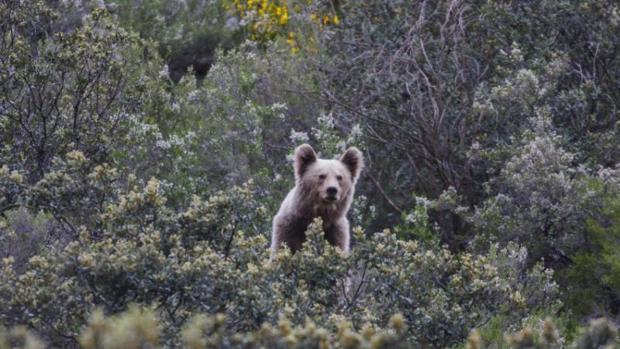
(332, 191)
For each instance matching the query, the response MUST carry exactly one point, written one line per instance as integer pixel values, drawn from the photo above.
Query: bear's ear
(354, 161)
(304, 156)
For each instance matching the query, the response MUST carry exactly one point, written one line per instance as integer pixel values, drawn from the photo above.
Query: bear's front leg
(338, 234)
(289, 231)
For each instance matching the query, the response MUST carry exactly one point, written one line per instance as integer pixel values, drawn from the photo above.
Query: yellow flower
(336, 20)
(284, 19)
(325, 19)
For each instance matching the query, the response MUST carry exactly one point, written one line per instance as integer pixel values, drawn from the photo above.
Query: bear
(323, 188)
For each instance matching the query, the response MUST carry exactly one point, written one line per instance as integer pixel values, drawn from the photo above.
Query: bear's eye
(339, 177)
(322, 176)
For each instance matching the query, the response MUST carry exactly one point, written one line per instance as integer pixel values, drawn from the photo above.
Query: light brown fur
(312, 197)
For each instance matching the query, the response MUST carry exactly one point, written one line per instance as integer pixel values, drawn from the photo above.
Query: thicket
(136, 193)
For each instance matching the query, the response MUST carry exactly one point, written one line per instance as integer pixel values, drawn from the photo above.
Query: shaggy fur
(323, 188)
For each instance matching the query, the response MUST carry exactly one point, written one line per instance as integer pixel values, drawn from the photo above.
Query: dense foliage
(145, 146)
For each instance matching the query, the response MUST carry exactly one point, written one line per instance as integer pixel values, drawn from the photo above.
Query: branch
(385, 196)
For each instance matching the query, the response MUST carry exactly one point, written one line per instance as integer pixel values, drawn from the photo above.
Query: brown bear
(323, 188)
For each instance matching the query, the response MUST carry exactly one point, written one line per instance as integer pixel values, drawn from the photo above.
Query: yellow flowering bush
(265, 17)
(266, 20)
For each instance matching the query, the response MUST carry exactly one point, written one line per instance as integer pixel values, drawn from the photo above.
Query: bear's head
(327, 182)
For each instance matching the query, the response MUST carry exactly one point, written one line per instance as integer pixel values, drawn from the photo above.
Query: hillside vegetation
(145, 146)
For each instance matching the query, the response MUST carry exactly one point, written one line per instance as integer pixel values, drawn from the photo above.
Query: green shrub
(592, 279)
(212, 257)
(188, 33)
(600, 333)
(22, 234)
(140, 328)
(64, 91)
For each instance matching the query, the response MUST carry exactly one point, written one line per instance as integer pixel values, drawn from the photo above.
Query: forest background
(145, 146)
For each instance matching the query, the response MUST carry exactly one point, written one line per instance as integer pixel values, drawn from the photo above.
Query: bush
(188, 33)
(433, 85)
(212, 258)
(22, 234)
(599, 334)
(541, 200)
(64, 91)
(593, 276)
(139, 328)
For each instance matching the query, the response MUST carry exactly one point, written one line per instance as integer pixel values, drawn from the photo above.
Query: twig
(387, 198)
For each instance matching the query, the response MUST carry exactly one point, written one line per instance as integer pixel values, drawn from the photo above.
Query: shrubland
(136, 192)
